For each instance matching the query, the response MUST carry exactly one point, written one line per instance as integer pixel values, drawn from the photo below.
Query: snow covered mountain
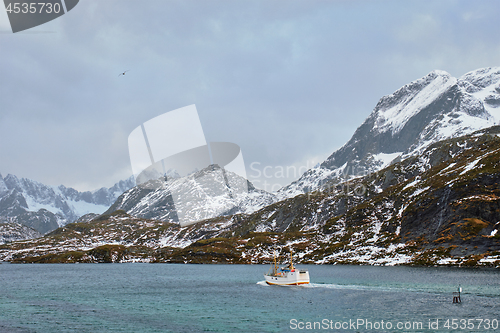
(437, 202)
(45, 208)
(224, 196)
(403, 124)
(439, 208)
(433, 108)
(11, 231)
(428, 110)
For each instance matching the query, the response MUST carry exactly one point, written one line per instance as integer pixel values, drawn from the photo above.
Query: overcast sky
(288, 81)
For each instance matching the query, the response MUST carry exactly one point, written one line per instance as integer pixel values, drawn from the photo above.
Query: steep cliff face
(428, 110)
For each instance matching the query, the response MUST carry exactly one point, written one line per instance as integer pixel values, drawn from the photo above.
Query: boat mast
(291, 260)
(275, 266)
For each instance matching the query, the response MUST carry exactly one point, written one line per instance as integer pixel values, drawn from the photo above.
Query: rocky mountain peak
(480, 79)
(46, 207)
(207, 193)
(394, 111)
(3, 186)
(430, 109)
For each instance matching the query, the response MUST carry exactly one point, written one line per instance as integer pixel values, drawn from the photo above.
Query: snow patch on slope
(386, 159)
(395, 117)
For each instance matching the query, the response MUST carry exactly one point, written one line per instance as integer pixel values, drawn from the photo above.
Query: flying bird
(124, 72)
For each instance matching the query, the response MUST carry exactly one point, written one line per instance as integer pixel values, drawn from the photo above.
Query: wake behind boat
(287, 275)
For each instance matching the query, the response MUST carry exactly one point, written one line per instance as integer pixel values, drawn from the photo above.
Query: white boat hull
(295, 277)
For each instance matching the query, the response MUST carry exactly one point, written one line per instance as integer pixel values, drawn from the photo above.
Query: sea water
(235, 298)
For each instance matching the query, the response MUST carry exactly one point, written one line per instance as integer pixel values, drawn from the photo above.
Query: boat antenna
(275, 266)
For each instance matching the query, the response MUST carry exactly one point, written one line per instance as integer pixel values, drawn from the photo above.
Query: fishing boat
(287, 275)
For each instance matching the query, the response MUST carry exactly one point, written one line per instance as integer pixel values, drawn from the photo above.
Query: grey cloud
(283, 80)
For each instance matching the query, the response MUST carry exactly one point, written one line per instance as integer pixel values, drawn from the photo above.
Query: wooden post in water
(456, 295)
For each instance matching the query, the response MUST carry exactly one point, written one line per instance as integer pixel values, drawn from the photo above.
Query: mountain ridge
(427, 110)
(418, 186)
(45, 208)
(439, 208)
(155, 200)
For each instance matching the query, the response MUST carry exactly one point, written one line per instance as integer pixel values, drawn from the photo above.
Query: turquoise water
(234, 298)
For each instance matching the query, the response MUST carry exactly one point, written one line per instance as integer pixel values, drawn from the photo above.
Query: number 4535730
(33, 8)
(470, 324)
